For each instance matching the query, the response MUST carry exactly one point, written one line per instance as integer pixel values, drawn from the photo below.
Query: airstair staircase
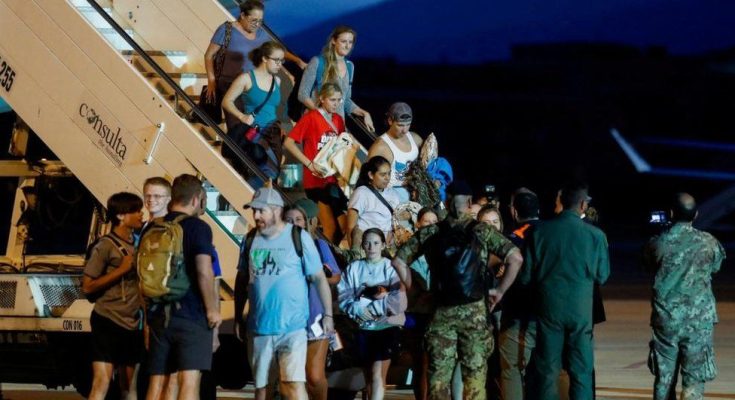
(107, 113)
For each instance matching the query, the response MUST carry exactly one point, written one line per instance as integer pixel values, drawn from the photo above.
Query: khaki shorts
(284, 353)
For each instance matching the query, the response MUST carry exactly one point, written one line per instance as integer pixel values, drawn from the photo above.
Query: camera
(659, 217)
(490, 192)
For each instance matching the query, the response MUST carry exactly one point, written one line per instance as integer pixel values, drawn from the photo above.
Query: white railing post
(161, 127)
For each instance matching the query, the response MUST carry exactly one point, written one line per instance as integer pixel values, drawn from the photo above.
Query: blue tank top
(254, 98)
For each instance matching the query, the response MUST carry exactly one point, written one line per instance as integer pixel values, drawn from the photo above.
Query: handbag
(335, 155)
(252, 132)
(214, 109)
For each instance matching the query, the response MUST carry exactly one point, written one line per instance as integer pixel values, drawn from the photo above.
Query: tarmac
(621, 350)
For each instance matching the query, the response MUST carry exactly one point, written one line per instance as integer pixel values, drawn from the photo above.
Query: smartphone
(658, 218)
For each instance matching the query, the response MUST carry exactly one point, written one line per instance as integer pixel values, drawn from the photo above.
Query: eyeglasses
(254, 21)
(278, 61)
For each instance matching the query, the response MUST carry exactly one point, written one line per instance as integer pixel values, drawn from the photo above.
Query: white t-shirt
(372, 212)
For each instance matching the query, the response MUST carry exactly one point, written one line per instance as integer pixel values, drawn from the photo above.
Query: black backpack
(248, 243)
(461, 277)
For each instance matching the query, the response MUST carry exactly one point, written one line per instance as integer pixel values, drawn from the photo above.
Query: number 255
(6, 76)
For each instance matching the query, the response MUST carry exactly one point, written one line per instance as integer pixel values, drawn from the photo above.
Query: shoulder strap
(228, 34)
(120, 246)
(219, 58)
(267, 97)
(296, 237)
(180, 218)
(380, 197)
(319, 75)
(329, 121)
(249, 239)
(298, 246)
(245, 246)
(350, 70)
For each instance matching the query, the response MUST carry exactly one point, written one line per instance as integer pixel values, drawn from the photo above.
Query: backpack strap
(319, 75)
(350, 70)
(116, 241)
(298, 246)
(179, 218)
(245, 245)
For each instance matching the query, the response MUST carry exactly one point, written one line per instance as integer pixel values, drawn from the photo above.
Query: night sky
(428, 31)
(534, 87)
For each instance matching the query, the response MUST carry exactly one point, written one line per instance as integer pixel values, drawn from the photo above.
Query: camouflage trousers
(687, 349)
(459, 333)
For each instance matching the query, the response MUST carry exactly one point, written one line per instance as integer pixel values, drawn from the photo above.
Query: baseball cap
(311, 209)
(400, 112)
(265, 197)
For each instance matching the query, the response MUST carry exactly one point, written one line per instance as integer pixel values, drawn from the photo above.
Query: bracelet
(327, 315)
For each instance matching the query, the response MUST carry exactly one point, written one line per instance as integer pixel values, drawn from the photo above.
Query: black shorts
(330, 195)
(183, 345)
(378, 345)
(111, 343)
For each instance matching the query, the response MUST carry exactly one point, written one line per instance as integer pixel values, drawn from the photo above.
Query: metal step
(190, 83)
(94, 18)
(115, 39)
(171, 61)
(232, 221)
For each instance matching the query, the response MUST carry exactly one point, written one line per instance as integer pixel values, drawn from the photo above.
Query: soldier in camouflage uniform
(459, 328)
(683, 306)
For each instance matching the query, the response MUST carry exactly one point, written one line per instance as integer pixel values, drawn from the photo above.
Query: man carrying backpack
(458, 250)
(182, 306)
(276, 260)
(111, 283)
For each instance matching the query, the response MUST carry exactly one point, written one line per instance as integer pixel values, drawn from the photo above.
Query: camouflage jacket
(426, 242)
(683, 259)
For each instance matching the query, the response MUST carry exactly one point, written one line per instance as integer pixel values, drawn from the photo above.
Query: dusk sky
(430, 31)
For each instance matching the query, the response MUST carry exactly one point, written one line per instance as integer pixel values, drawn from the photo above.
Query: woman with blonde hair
(313, 131)
(333, 66)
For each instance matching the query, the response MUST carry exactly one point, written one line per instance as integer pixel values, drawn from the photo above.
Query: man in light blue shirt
(273, 277)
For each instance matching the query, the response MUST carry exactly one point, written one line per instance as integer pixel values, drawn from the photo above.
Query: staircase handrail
(239, 153)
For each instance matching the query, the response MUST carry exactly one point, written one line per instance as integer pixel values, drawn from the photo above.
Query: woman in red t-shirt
(313, 131)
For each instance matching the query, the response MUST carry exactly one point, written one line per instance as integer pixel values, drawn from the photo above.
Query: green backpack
(161, 265)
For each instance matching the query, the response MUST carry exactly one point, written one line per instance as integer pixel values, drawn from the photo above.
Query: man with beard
(272, 276)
